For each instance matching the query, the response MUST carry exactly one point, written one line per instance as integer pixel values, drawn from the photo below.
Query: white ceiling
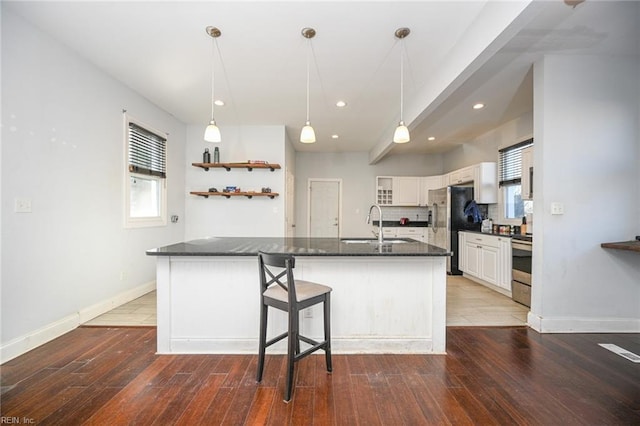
(160, 49)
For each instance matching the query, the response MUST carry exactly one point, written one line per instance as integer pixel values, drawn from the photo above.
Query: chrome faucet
(380, 236)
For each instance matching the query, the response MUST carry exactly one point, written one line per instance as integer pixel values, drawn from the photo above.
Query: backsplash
(415, 214)
(494, 212)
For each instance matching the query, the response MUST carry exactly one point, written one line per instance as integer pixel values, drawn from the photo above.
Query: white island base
(210, 304)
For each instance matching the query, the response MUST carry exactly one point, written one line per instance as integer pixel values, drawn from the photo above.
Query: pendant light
(308, 135)
(401, 135)
(212, 133)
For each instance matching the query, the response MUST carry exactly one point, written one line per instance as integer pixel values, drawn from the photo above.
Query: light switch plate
(23, 205)
(557, 208)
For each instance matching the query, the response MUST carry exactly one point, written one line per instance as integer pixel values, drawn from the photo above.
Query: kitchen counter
(387, 298)
(623, 245)
(396, 224)
(238, 246)
(495, 234)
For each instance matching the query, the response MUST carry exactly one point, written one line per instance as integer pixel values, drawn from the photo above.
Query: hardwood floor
(105, 375)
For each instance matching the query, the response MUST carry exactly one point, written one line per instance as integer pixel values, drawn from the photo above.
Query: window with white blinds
(511, 162)
(145, 180)
(147, 152)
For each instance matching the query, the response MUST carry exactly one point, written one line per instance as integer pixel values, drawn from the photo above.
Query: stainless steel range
(521, 249)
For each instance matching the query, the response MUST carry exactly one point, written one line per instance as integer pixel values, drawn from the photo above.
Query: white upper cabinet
(484, 177)
(465, 175)
(384, 190)
(526, 178)
(427, 184)
(406, 191)
(398, 190)
(485, 183)
(414, 190)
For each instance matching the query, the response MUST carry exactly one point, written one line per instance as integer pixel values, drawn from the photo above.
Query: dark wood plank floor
(501, 376)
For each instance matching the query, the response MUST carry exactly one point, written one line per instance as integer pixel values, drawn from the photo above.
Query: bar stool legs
(276, 291)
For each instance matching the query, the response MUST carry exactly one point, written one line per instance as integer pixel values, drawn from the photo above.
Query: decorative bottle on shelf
(216, 155)
(523, 227)
(206, 156)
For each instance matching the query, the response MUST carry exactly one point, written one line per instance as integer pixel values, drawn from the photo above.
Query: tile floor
(472, 304)
(138, 312)
(468, 304)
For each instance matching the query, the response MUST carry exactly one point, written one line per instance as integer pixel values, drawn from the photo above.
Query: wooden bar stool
(276, 276)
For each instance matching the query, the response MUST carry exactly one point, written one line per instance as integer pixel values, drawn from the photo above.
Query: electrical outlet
(23, 205)
(557, 208)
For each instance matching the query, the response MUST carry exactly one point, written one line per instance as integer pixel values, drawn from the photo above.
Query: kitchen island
(387, 298)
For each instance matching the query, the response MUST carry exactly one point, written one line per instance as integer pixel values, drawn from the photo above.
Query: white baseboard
(32, 340)
(583, 325)
(370, 345)
(100, 308)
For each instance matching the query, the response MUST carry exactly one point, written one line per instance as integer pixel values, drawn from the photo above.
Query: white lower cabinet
(487, 258)
(462, 255)
(472, 259)
(417, 233)
(389, 232)
(489, 264)
(505, 263)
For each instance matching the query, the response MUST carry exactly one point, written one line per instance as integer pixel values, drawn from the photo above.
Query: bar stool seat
(276, 272)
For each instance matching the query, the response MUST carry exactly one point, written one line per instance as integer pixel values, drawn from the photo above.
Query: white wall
(486, 146)
(238, 216)
(358, 182)
(587, 158)
(63, 149)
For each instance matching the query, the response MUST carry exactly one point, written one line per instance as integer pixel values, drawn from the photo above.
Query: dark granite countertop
(396, 224)
(494, 234)
(526, 237)
(246, 246)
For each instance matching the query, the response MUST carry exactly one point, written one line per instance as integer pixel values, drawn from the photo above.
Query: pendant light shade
(212, 132)
(401, 135)
(308, 135)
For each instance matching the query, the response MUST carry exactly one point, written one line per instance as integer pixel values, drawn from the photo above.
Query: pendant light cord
(401, 79)
(308, 54)
(213, 72)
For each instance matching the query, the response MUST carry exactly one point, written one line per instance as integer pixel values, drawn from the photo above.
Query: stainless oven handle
(521, 246)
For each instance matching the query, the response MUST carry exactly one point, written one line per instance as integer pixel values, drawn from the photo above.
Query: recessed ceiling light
(431, 138)
(334, 136)
(478, 106)
(341, 104)
(219, 102)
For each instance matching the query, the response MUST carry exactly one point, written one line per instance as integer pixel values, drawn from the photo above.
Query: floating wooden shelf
(229, 166)
(235, 194)
(623, 245)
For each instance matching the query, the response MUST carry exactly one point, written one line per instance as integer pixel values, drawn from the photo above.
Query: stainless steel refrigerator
(446, 207)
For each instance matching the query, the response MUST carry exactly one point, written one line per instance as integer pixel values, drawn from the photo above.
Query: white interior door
(289, 217)
(324, 208)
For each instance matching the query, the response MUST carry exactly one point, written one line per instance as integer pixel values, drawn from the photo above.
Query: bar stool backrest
(275, 267)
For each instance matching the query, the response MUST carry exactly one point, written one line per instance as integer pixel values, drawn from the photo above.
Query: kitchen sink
(373, 241)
